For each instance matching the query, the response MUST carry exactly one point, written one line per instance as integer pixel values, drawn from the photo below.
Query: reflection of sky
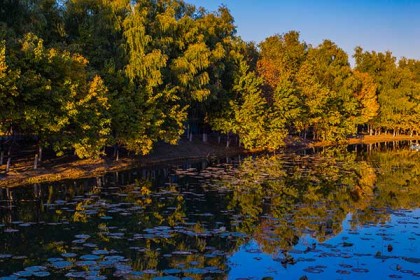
(331, 257)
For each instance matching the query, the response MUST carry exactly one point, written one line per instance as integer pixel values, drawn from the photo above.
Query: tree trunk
(36, 162)
(8, 164)
(37, 191)
(9, 152)
(1, 151)
(116, 152)
(39, 154)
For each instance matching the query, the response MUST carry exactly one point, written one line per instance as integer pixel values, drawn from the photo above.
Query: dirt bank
(70, 167)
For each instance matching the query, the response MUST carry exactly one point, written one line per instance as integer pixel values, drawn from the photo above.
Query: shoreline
(71, 168)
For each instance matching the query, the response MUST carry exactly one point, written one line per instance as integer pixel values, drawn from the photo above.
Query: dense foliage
(84, 74)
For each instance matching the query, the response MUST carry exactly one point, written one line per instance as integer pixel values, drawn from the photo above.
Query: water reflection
(290, 215)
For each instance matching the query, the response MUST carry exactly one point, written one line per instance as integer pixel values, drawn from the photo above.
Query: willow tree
(217, 30)
(150, 109)
(177, 62)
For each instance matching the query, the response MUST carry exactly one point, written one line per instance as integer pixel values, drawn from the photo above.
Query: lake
(333, 213)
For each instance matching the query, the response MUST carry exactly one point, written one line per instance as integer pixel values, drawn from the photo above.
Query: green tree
(398, 90)
(281, 57)
(330, 106)
(365, 91)
(54, 101)
(92, 121)
(8, 91)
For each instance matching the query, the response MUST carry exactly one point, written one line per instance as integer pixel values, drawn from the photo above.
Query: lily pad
(10, 230)
(61, 264)
(312, 269)
(76, 274)
(85, 263)
(106, 218)
(35, 268)
(394, 276)
(41, 274)
(100, 252)
(195, 271)
(12, 277)
(411, 259)
(360, 270)
(24, 273)
(172, 271)
(55, 259)
(25, 225)
(5, 256)
(69, 255)
(82, 236)
(343, 272)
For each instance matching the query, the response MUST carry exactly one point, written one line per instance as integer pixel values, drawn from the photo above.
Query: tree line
(81, 75)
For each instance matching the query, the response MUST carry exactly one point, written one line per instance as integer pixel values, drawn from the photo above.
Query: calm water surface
(339, 213)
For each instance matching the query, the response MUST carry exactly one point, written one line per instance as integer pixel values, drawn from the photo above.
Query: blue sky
(378, 25)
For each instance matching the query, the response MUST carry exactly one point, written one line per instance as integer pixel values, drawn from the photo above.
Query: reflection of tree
(170, 243)
(396, 186)
(274, 199)
(283, 197)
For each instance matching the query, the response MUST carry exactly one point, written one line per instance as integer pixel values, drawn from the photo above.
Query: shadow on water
(341, 212)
